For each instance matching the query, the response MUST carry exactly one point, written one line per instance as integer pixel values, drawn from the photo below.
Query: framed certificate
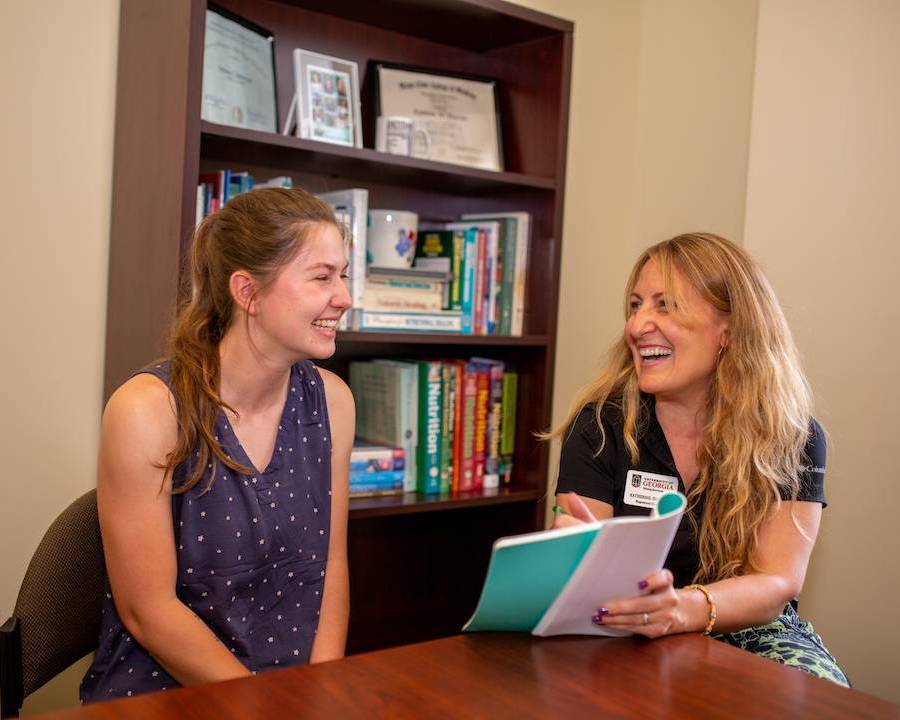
(328, 98)
(460, 113)
(238, 73)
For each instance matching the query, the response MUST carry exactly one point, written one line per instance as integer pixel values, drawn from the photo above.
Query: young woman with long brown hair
(222, 480)
(704, 394)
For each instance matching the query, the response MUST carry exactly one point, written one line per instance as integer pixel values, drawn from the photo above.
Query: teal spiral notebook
(551, 582)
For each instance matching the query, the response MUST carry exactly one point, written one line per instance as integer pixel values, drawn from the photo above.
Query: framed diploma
(238, 73)
(327, 99)
(460, 113)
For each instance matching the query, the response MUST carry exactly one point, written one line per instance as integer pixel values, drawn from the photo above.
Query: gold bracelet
(710, 602)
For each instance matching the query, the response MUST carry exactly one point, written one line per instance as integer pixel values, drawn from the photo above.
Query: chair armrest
(11, 687)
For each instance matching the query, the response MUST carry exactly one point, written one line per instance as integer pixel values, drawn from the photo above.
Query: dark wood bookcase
(417, 562)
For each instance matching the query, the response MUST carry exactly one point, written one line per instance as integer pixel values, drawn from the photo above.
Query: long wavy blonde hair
(758, 407)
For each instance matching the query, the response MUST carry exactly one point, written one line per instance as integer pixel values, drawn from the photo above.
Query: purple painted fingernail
(597, 619)
(643, 585)
(602, 611)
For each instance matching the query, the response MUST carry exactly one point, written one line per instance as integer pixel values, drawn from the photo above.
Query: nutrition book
(552, 582)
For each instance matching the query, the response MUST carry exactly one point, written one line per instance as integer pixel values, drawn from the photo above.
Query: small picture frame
(326, 102)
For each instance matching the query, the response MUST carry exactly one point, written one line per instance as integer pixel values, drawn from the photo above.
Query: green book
(448, 396)
(428, 451)
(508, 426)
(435, 250)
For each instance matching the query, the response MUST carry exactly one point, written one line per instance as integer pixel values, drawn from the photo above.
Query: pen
(560, 510)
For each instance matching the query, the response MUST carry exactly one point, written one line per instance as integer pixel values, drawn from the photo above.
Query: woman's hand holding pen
(577, 513)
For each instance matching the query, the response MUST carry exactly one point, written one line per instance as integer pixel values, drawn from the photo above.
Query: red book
(215, 180)
(479, 324)
(458, 367)
(466, 438)
(494, 412)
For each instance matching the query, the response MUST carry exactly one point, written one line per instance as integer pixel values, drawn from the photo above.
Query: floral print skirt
(790, 641)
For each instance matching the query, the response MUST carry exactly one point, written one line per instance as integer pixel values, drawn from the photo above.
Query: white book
(198, 215)
(447, 321)
(386, 298)
(355, 203)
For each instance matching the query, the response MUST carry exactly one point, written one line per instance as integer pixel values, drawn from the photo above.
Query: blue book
(385, 478)
(373, 458)
(468, 270)
(368, 489)
(551, 582)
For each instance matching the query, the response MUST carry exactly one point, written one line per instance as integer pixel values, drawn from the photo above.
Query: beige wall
(659, 142)
(823, 215)
(682, 117)
(58, 79)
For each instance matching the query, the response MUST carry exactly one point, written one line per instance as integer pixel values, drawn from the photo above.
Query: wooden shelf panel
(232, 145)
(475, 26)
(380, 337)
(368, 507)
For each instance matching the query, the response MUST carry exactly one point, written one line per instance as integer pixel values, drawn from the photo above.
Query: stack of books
(376, 470)
(414, 299)
(454, 419)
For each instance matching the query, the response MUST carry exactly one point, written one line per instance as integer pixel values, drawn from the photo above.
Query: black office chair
(56, 620)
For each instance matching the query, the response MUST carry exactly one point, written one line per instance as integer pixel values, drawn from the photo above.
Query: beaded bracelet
(710, 602)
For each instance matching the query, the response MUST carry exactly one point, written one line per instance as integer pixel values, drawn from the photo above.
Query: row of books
(468, 278)
(487, 257)
(214, 189)
(481, 262)
(454, 420)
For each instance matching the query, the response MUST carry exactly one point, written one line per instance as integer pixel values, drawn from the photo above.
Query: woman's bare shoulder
(141, 410)
(334, 384)
(341, 408)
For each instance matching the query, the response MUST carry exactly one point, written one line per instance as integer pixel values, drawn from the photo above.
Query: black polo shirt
(603, 477)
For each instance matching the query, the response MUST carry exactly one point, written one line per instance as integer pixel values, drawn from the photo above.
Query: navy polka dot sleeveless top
(251, 551)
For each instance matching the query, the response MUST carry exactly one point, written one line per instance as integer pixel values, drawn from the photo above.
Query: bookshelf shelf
(480, 26)
(368, 507)
(363, 164)
(474, 341)
(417, 562)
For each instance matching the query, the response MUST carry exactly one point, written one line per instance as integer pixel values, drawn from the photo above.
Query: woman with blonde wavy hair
(704, 394)
(222, 477)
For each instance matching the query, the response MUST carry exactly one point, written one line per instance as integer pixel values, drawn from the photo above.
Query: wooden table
(498, 675)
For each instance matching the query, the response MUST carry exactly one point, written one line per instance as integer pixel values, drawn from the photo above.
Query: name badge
(643, 489)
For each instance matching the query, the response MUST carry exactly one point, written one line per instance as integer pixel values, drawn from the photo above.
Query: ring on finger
(646, 619)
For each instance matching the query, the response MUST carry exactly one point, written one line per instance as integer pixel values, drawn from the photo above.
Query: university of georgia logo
(635, 481)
